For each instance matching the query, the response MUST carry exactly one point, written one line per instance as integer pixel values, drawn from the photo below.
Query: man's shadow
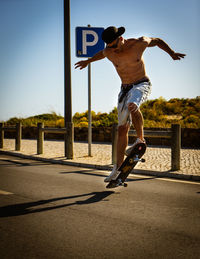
(31, 207)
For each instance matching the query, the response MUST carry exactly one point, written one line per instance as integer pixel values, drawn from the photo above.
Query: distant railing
(18, 134)
(40, 136)
(65, 131)
(174, 134)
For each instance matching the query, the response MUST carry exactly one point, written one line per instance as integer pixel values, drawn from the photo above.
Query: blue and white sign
(88, 41)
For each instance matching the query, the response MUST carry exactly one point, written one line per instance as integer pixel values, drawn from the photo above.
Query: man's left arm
(163, 45)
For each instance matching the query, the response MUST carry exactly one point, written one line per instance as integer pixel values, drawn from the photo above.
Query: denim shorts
(137, 94)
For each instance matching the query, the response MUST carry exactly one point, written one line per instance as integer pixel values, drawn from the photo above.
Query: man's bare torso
(128, 60)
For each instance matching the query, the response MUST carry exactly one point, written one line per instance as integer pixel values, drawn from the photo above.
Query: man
(126, 56)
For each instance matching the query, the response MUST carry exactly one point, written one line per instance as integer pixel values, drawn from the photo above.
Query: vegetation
(162, 113)
(157, 113)
(49, 119)
(98, 120)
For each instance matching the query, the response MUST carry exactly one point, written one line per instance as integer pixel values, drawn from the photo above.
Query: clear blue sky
(31, 52)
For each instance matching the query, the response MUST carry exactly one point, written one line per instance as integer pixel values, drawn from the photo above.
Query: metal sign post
(69, 136)
(89, 113)
(88, 43)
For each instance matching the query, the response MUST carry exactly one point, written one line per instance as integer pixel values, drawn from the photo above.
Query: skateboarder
(126, 56)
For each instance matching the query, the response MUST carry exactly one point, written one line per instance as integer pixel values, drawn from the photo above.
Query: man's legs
(122, 141)
(129, 105)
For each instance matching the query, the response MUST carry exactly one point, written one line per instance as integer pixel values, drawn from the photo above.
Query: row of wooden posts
(174, 134)
(40, 136)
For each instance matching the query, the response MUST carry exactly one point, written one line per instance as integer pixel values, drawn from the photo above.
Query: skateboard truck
(120, 183)
(137, 159)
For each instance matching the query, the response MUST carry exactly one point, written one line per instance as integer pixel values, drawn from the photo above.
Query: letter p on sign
(88, 41)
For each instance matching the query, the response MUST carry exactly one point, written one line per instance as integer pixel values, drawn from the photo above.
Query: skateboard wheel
(125, 184)
(119, 182)
(142, 160)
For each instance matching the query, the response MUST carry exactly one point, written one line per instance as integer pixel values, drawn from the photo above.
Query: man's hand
(81, 64)
(177, 56)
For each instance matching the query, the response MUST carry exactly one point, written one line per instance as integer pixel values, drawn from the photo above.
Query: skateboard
(128, 165)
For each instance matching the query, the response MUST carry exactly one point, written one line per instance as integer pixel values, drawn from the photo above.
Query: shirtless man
(126, 56)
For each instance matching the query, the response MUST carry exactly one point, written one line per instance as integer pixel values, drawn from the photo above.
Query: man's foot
(113, 175)
(138, 141)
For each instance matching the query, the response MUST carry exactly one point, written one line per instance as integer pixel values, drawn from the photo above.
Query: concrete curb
(167, 174)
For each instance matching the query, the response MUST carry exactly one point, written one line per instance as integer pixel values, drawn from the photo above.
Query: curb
(167, 174)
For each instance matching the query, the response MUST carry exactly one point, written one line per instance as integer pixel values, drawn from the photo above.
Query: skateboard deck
(128, 165)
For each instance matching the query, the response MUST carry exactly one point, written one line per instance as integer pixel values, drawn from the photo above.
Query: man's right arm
(98, 56)
(164, 46)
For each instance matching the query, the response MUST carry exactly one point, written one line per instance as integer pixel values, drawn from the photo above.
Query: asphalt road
(55, 211)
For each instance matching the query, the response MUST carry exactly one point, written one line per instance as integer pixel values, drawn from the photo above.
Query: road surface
(57, 211)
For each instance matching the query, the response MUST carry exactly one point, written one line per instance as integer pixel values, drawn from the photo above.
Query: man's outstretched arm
(82, 64)
(163, 45)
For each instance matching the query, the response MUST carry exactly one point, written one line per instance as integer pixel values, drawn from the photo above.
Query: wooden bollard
(1, 134)
(18, 136)
(176, 147)
(40, 138)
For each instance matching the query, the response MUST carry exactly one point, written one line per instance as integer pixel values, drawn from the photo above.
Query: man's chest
(126, 56)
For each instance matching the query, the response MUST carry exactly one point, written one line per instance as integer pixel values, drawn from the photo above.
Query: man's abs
(132, 72)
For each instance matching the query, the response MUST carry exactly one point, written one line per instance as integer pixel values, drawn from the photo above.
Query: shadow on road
(85, 172)
(18, 161)
(35, 207)
(92, 173)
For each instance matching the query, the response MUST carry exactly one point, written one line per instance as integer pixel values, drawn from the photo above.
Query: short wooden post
(69, 140)
(114, 143)
(18, 136)
(175, 147)
(1, 134)
(40, 138)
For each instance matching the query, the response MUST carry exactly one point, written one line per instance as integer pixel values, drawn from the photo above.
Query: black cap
(112, 33)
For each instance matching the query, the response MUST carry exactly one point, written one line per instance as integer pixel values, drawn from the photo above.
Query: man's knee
(132, 107)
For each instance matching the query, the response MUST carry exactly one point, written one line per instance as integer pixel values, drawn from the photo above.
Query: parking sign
(88, 41)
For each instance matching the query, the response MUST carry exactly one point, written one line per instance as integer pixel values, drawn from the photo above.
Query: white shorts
(137, 94)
